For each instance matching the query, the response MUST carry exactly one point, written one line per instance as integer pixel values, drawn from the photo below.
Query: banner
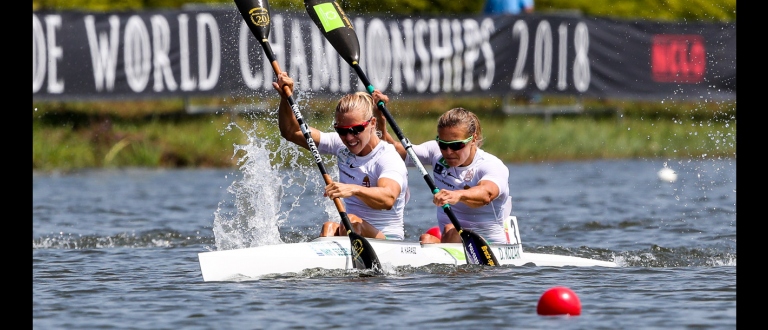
(210, 52)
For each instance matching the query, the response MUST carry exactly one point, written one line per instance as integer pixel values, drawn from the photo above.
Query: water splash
(274, 178)
(255, 219)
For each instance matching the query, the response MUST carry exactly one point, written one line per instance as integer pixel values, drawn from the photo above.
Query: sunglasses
(454, 145)
(352, 129)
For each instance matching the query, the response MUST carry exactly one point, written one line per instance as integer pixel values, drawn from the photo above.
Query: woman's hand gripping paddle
(256, 16)
(337, 28)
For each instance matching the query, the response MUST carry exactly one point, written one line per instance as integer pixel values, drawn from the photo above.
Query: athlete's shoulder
(489, 163)
(488, 157)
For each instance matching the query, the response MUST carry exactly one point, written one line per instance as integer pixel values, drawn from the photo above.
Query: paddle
(256, 15)
(337, 28)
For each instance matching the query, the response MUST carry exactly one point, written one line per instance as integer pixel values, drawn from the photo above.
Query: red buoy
(435, 231)
(559, 301)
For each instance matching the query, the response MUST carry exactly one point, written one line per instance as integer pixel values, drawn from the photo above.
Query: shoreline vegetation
(663, 10)
(69, 136)
(73, 135)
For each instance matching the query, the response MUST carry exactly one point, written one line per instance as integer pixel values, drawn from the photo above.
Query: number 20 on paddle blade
(256, 16)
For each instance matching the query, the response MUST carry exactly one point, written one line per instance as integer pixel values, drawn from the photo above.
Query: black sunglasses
(352, 129)
(454, 145)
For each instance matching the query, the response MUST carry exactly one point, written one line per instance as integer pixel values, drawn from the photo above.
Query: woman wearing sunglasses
(373, 180)
(472, 181)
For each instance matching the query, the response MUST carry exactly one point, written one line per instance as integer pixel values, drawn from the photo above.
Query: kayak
(333, 253)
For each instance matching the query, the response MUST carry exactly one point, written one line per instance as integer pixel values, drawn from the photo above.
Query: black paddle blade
(363, 255)
(256, 15)
(477, 250)
(336, 27)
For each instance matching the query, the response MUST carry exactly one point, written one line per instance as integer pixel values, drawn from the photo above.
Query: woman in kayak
(474, 182)
(373, 180)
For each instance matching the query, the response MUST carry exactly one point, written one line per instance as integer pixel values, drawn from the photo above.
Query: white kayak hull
(334, 253)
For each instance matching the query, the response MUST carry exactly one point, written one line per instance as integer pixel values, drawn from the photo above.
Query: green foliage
(413, 6)
(691, 10)
(704, 10)
(107, 5)
(68, 141)
(74, 141)
(59, 148)
(73, 135)
(532, 138)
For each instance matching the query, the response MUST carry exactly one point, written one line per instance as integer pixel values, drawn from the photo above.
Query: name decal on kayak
(408, 249)
(510, 252)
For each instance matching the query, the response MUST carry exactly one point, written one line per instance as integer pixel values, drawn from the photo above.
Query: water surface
(117, 249)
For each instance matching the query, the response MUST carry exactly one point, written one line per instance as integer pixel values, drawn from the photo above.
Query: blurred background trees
(667, 10)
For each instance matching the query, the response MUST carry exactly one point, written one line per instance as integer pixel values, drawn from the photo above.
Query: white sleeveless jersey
(382, 162)
(488, 220)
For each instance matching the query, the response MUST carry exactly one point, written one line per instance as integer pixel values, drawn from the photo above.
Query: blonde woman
(373, 180)
(474, 182)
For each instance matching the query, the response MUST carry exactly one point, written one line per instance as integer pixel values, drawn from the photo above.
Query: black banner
(174, 53)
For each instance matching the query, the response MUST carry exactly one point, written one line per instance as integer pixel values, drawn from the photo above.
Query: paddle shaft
(473, 243)
(304, 129)
(254, 11)
(311, 145)
(408, 146)
(358, 243)
(337, 29)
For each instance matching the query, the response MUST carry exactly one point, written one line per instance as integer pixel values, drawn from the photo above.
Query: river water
(117, 249)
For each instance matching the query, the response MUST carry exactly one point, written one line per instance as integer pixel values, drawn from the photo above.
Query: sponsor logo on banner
(678, 58)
